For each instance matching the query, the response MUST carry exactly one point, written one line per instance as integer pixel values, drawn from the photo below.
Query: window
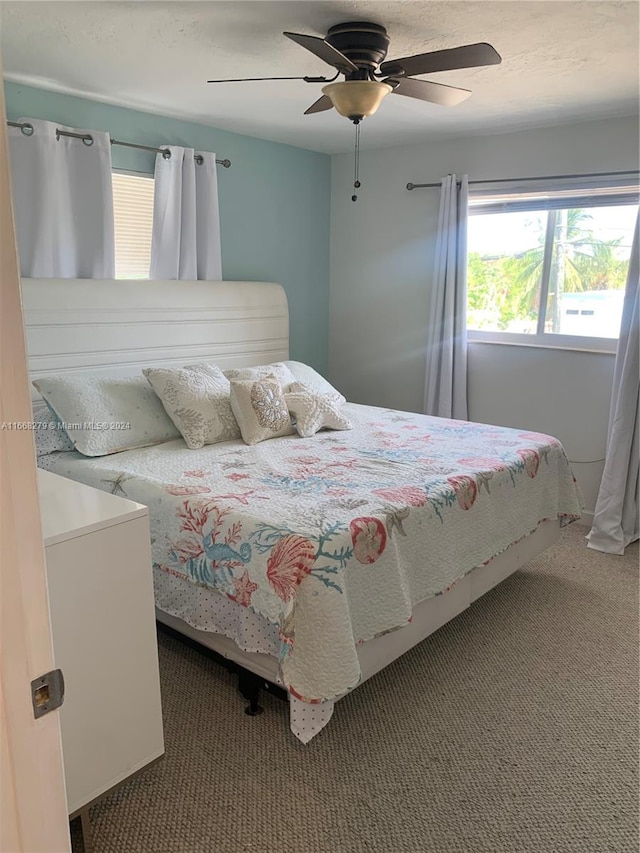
(550, 268)
(133, 214)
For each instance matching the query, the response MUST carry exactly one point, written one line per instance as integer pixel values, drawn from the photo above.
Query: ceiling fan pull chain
(356, 164)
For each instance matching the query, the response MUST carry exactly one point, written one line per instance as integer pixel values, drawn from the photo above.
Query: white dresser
(104, 638)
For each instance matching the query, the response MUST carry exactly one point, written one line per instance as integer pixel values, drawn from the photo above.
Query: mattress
(332, 540)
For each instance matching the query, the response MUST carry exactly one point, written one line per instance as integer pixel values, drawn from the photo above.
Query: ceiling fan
(358, 50)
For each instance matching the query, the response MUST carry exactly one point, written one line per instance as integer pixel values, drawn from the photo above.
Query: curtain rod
(411, 186)
(27, 129)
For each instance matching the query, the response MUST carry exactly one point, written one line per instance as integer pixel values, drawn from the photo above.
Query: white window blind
(133, 214)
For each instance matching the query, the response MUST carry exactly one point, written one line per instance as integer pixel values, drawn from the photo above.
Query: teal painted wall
(274, 201)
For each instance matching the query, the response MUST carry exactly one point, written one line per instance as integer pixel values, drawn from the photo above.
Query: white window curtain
(185, 243)
(63, 202)
(615, 522)
(446, 356)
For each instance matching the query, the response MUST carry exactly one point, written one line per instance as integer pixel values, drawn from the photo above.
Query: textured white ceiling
(562, 62)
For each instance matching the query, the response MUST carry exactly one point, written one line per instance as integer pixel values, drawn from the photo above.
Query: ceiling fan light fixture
(356, 99)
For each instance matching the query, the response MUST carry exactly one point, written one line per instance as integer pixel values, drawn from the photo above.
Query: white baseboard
(586, 520)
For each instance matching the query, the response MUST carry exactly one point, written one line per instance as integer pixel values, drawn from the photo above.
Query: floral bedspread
(335, 538)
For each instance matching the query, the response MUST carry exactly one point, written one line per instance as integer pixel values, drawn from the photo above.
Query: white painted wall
(381, 259)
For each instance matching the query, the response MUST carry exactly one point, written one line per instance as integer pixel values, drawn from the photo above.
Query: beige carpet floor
(512, 729)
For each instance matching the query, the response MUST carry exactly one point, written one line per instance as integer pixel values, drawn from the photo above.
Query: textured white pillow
(48, 433)
(103, 415)
(260, 409)
(314, 411)
(312, 379)
(278, 369)
(196, 398)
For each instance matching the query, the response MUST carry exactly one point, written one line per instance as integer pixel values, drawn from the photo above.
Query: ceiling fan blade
(249, 79)
(424, 90)
(468, 56)
(323, 50)
(319, 106)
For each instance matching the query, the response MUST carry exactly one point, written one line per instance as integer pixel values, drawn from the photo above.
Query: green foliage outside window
(504, 289)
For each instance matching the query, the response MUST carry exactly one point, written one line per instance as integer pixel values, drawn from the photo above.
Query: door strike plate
(47, 692)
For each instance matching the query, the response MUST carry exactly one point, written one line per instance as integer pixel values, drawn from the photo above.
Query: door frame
(33, 807)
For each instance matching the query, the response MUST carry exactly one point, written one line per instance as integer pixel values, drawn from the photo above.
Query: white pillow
(196, 398)
(314, 411)
(260, 409)
(278, 369)
(103, 415)
(312, 379)
(48, 433)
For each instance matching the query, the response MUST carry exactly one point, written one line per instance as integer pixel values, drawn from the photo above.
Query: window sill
(604, 346)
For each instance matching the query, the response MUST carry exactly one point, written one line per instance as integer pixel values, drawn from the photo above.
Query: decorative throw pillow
(260, 409)
(196, 399)
(49, 435)
(312, 379)
(314, 411)
(278, 369)
(106, 414)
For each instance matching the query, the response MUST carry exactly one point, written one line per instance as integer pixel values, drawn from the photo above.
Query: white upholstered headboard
(117, 327)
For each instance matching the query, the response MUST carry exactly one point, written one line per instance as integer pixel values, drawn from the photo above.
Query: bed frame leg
(249, 686)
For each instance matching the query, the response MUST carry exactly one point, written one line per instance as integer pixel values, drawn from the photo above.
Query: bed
(311, 562)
